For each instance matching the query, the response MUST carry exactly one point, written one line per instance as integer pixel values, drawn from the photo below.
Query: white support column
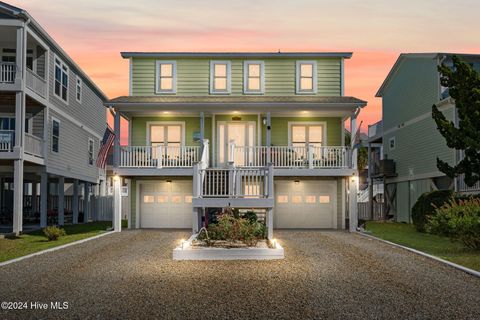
(116, 143)
(202, 126)
(18, 197)
(34, 195)
(61, 201)
(268, 135)
(86, 202)
(196, 220)
(117, 205)
(43, 199)
(270, 223)
(353, 208)
(75, 202)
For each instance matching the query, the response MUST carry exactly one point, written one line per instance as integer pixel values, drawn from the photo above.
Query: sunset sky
(93, 32)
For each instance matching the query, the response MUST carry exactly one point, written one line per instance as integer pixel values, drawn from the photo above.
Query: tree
(463, 83)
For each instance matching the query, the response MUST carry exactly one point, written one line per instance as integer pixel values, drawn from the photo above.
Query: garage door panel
(166, 204)
(307, 204)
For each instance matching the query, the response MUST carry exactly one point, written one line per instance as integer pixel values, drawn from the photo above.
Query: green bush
(458, 219)
(53, 233)
(426, 204)
(250, 216)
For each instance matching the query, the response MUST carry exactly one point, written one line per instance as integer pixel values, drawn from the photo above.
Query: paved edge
(54, 248)
(451, 264)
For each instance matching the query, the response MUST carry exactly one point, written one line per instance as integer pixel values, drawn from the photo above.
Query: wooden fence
(365, 214)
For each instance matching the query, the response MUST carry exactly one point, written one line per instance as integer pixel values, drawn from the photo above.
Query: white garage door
(305, 204)
(166, 204)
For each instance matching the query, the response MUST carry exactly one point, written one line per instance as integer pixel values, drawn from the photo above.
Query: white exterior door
(240, 134)
(305, 204)
(165, 204)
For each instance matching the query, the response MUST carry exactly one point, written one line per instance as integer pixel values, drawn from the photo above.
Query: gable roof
(34, 25)
(346, 55)
(401, 58)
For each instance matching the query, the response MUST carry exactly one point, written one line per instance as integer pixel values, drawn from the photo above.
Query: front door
(234, 140)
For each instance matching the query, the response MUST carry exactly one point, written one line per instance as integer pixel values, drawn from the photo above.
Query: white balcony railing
(36, 83)
(291, 157)
(159, 156)
(7, 140)
(464, 188)
(33, 145)
(7, 72)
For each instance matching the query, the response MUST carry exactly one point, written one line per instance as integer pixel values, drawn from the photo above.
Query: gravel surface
(326, 275)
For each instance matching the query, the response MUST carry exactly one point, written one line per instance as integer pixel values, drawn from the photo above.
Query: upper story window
(78, 89)
(306, 77)
(61, 80)
(55, 135)
(166, 77)
(220, 77)
(391, 143)
(303, 134)
(165, 134)
(91, 154)
(253, 77)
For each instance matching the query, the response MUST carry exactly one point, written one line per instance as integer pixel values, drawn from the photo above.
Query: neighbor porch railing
(7, 140)
(8, 72)
(291, 156)
(36, 83)
(159, 156)
(33, 145)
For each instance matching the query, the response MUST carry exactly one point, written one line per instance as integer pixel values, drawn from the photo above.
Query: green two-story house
(261, 131)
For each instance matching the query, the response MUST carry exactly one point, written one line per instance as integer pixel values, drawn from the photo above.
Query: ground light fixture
(182, 243)
(274, 243)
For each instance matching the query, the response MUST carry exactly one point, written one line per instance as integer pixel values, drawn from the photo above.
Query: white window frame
(212, 76)
(314, 77)
(78, 89)
(92, 143)
(165, 123)
(61, 64)
(308, 123)
(246, 77)
(392, 139)
(51, 135)
(158, 63)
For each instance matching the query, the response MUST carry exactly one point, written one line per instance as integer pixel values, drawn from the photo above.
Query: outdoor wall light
(297, 181)
(264, 121)
(169, 181)
(116, 178)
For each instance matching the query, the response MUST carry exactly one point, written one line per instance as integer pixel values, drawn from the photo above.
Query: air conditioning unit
(387, 167)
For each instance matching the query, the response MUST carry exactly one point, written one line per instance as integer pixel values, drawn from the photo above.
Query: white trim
(213, 144)
(308, 123)
(51, 135)
(78, 82)
(226, 122)
(314, 77)
(229, 76)
(165, 123)
(246, 63)
(451, 264)
(174, 77)
(61, 65)
(54, 249)
(93, 152)
(342, 77)
(74, 121)
(130, 82)
(428, 175)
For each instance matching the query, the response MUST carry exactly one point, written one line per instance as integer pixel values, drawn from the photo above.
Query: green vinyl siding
(192, 124)
(193, 76)
(279, 129)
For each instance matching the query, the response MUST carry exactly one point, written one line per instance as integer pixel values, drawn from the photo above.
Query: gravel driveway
(332, 275)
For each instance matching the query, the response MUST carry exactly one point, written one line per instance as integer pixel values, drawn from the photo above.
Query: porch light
(169, 181)
(297, 182)
(116, 177)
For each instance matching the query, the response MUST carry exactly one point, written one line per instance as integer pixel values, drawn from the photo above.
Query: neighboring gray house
(52, 120)
(411, 141)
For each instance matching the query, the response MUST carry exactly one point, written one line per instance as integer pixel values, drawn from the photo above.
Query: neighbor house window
(166, 77)
(90, 152)
(254, 77)
(55, 135)
(78, 89)
(306, 77)
(220, 77)
(10, 55)
(61, 80)
(391, 143)
(324, 199)
(301, 135)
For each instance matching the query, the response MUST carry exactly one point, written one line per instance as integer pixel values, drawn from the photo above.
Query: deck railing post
(310, 156)
(231, 179)
(270, 181)
(159, 156)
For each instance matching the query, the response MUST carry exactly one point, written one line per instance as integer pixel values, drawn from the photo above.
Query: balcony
(307, 157)
(384, 168)
(7, 140)
(159, 156)
(33, 145)
(8, 71)
(36, 83)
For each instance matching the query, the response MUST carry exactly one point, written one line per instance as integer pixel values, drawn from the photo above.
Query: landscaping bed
(442, 247)
(37, 241)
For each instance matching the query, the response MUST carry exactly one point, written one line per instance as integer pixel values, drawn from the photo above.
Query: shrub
(53, 233)
(426, 204)
(250, 216)
(458, 219)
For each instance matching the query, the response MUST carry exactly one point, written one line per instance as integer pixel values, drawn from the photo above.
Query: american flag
(107, 142)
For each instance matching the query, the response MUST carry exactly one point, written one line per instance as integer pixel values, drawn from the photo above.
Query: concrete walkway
(332, 275)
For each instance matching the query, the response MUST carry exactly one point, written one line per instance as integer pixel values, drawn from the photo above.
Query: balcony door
(169, 135)
(241, 135)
